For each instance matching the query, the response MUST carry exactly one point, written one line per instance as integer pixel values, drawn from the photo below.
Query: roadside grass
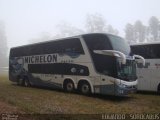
(46, 101)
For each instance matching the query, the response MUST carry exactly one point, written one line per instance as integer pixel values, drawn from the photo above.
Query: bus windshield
(106, 64)
(127, 71)
(119, 44)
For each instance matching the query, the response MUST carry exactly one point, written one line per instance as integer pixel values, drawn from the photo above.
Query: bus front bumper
(121, 90)
(114, 89)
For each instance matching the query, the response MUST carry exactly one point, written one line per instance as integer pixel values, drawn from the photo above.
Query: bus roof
(77, 36)
(148, 43)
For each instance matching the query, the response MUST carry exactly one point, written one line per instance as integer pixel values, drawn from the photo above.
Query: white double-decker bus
(148, 75)
(89, 63)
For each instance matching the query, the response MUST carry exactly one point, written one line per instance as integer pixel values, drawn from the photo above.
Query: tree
(3, 46)
(129, 34)
(66, 30)
(139, 30)
(44, 36)
(97, 23)
(111, 30)
(154, 26)
(94, 23)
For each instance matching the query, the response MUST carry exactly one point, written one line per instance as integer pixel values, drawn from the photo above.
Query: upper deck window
(72, 45)
(97, 42)
(149, 51)
(119, 44)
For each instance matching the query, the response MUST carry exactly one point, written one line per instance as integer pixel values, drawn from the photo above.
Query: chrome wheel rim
(69, 87)
(85, 88)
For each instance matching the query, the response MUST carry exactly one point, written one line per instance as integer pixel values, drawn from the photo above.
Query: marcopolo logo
(52, 58)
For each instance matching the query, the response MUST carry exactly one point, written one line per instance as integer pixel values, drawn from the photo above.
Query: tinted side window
(62, 46)
(157, 50)
(59, 68)
(72, 45)
(147, 51)
(22, 51)
(97, 42)
(34, 49)
(103, 64)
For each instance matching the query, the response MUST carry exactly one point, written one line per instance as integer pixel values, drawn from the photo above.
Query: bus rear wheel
(26, 82)
(20, 81)
(68, 86)
(85, 88)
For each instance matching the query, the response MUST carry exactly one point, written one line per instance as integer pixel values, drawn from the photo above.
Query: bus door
(108, 85)
(96, 83)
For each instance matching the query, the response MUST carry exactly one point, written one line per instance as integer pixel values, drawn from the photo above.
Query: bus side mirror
(141, 58)
(112, 53)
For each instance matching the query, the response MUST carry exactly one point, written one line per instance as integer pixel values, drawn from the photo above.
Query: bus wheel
(85, 88)
(20, 81)
(26, 82)
(68, 86)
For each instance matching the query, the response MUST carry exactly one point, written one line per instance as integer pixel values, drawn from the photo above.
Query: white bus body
(91, 63)
(149, 74)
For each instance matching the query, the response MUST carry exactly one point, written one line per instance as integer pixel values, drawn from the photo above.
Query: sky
(25, 20)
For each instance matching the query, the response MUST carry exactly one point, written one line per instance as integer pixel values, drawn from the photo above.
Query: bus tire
(84, 87)
(158, 89)
(20, 81)
(69, 86)
(26, 82)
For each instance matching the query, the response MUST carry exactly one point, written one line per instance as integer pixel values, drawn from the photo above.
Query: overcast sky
(28, 19)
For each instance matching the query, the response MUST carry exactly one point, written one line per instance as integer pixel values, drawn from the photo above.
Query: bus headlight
(122, 85)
